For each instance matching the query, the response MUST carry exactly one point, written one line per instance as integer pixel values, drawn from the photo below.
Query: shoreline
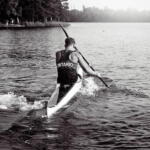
(32, 25)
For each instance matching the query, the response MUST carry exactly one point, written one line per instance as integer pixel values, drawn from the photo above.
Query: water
(115, 118)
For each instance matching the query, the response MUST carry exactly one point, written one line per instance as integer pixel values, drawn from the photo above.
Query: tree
(64, 10)
(33, 10)
(3, 6)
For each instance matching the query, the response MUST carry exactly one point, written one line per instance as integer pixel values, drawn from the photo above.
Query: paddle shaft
(84, 58)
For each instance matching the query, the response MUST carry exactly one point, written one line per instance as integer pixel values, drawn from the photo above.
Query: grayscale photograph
(74, 74)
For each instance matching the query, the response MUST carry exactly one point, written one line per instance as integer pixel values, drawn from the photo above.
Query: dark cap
(69, 41)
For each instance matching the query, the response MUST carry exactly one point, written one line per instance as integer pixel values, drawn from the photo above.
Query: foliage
(92, 14)
(33, 10)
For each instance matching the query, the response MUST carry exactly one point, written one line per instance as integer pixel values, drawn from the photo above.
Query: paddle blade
(110, 83)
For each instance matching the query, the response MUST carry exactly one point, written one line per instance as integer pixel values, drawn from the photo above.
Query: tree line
(33, 10)
(93, 14)
(18, 11)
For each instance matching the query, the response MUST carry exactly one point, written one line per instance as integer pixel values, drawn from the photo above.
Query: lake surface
(115, 118)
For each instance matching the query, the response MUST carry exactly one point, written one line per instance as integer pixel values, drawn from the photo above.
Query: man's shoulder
(59, 51)
(58, 55)
(75, 54)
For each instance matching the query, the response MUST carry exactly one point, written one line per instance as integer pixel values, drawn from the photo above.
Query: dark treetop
(33, 10)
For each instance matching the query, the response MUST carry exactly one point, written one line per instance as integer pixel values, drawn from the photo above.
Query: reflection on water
(106, 118)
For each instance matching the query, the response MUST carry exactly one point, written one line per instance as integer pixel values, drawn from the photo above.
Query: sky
(113, 4)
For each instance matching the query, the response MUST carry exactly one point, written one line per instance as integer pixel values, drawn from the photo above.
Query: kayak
(53, 107)
(64, 101)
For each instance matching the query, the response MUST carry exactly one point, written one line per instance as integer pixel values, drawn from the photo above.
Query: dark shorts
(63, 90)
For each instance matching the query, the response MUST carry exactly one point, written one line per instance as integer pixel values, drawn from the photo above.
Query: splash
(11, 101)
(89, 87)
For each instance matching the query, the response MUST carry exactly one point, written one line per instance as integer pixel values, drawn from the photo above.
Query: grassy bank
(27, 25)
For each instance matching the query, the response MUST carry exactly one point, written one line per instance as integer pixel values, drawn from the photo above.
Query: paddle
(84, 57)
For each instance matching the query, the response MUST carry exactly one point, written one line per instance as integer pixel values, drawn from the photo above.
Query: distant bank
(30, 25)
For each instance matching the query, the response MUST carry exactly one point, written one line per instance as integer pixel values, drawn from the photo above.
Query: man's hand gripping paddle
(84, 57)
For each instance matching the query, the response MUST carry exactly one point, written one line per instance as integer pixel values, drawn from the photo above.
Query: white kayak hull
(64, 101)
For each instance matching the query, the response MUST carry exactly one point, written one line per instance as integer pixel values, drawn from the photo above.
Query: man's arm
(85, 66)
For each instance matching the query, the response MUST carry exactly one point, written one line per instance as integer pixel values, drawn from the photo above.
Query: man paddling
(69, 66)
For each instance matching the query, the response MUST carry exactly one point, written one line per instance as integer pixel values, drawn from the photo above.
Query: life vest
(67, 70)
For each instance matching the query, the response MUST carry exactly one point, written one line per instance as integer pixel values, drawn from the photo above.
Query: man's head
(69, 42)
